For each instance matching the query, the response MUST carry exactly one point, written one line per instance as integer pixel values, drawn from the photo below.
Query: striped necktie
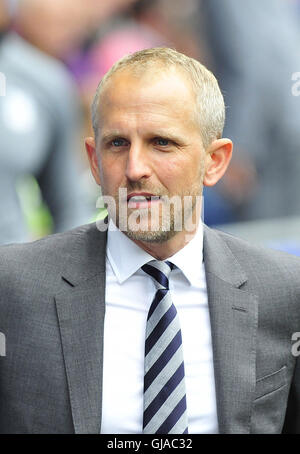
(164, 381)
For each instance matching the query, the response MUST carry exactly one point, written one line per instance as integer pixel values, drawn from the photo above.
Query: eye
(119, 142)
(161, 141)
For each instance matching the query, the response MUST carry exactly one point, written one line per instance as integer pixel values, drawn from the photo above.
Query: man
(161, 325)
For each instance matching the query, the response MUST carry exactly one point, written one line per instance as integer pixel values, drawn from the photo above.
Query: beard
(162, 220)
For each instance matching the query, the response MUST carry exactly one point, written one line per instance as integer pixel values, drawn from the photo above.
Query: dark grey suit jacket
(52, 305)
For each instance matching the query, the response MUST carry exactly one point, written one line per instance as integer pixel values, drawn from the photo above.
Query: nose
(137, 166)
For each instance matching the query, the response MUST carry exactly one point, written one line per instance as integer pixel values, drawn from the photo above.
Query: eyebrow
(169, 135)
(110, 136)
(107, 137)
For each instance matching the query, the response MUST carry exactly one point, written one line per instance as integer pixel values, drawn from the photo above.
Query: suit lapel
(233, 315)
(81, 308)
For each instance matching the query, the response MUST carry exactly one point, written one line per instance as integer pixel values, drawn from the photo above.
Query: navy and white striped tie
(164, 380)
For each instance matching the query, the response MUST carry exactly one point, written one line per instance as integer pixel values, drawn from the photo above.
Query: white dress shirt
(129, 294)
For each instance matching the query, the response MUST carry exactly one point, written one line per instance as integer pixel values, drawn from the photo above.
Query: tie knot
(159, 271)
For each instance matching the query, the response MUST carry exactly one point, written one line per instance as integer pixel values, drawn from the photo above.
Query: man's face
(149, 144)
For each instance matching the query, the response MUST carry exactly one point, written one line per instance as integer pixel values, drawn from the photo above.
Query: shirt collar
(126, 257)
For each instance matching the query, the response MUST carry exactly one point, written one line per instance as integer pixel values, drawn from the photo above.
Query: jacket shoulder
(252, 249)
(263, 262)
(51, 255)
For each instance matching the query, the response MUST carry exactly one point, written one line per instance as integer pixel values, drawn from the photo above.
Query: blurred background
(53, 54)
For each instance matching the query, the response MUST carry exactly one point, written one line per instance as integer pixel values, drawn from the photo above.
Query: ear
(219, 155)
(90, 147)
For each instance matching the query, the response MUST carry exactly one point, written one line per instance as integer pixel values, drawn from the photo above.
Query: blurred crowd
(53, 54)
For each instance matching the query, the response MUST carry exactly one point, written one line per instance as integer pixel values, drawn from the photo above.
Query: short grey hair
(209, 102)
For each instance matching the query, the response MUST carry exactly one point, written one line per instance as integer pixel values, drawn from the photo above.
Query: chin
(150, 236)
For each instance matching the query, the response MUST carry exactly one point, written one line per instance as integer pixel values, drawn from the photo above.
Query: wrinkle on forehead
(127, 95)
(125, 78)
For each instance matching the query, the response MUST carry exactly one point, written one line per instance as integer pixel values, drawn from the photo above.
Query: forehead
(126, 90)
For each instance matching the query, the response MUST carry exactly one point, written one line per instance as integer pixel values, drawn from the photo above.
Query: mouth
(142, 200)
